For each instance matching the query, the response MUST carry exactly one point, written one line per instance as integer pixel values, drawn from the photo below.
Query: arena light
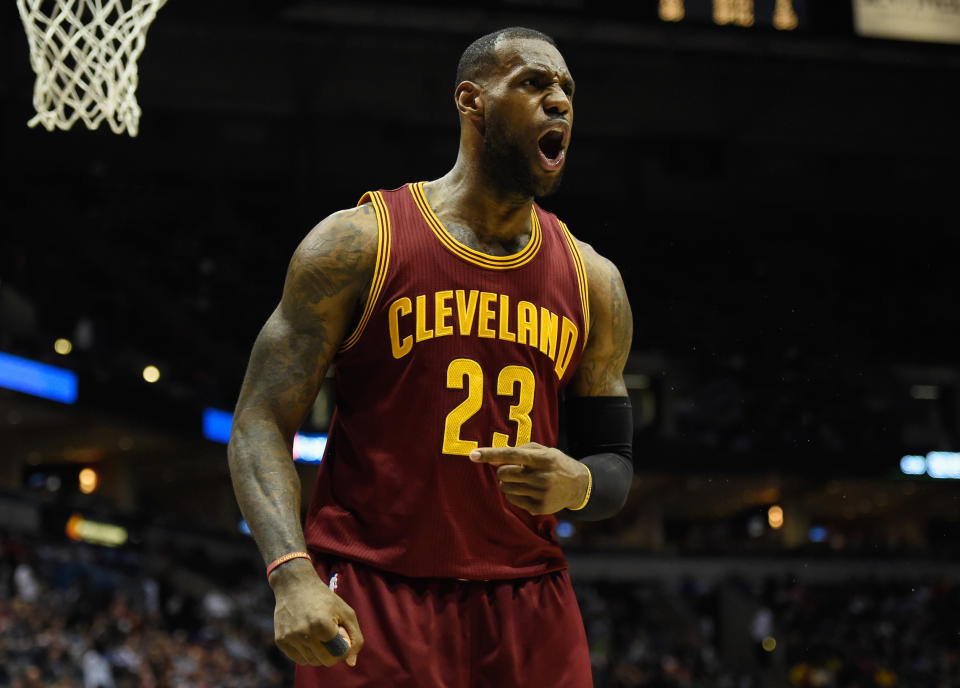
(913, 465)
(309, 448)
(80, 529)
(63, 346)
(941, 465)
(217, 425)
(38, 379)
(89, 480)
(775, 517)
(151, 373)
(755, 526)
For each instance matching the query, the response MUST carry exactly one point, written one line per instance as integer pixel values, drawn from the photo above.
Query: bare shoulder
(604, 281)
(345, 237)
(335, 259)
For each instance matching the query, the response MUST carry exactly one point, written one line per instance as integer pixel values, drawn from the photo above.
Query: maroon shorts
(437, 633)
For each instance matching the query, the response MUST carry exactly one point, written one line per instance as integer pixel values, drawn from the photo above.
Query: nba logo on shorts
(334, 581)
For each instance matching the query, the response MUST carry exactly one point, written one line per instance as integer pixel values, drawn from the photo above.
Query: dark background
(782, 205)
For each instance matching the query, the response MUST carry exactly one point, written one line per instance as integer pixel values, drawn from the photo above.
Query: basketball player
(455, 312)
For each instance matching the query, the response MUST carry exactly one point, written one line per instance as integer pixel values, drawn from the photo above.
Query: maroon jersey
(455, 350)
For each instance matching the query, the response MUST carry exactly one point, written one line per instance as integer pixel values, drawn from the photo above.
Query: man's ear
(469, 98)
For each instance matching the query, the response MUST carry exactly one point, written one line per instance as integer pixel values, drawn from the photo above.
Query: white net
(84, 53)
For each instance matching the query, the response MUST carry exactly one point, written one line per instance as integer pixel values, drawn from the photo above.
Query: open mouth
(551, 149)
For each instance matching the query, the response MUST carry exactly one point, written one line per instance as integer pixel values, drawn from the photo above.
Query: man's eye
(531, 82)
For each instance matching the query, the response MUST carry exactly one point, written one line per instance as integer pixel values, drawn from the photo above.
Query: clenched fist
(308, 614)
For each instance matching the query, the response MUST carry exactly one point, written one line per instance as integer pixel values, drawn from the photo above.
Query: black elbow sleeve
(600, 434)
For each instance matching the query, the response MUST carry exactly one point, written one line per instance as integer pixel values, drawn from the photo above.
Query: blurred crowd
(78, 616)
(75, 617)
(642, 634)
(870, 633)
(778, 634)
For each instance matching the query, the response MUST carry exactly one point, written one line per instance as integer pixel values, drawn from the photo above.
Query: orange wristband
(284, 559)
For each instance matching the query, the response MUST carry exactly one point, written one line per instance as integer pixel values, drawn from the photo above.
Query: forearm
(266, 486)
(601, 437)
(611, 477)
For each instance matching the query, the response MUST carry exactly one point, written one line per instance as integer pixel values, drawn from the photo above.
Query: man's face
(528, 117)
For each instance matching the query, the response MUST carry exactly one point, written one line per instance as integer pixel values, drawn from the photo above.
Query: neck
(468, 196)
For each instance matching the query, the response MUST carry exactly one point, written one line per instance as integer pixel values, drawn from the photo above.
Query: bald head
(480, 58)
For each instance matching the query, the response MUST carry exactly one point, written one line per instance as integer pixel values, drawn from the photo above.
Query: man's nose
(556, 102)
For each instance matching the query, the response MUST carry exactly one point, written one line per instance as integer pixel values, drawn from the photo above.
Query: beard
(510, 167)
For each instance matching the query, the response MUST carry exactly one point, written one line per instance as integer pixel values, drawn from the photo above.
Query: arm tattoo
(328, 261)
(621, 326)
(601, 369)
(323, 290)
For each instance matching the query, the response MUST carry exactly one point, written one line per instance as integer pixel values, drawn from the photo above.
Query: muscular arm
(600, 373)
(325, 283)
(600, 419)
(324, 289)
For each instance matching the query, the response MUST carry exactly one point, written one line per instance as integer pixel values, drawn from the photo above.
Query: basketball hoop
(84, 53)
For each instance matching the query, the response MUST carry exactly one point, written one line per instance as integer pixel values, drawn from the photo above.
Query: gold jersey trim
(380, 270)
(472, 255)
(581, 278)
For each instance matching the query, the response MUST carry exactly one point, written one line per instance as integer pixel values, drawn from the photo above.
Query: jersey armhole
(581, 279)
(379, 271)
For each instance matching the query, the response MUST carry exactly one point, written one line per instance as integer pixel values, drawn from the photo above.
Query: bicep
(600, 372)
(291, 354)
(283, 376)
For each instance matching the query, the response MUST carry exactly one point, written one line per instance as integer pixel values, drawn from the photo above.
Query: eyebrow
(565, 78)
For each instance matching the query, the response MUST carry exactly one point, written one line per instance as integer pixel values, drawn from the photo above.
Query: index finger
(520, 456)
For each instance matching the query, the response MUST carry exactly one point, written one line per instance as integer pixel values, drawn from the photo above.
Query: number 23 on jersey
(467, 373)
